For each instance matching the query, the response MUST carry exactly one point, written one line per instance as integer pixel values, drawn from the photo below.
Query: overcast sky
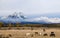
(32, 7)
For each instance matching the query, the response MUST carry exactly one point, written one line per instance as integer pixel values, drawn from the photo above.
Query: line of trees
(28, 25)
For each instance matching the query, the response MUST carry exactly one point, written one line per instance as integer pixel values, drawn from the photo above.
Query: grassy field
(22, 33)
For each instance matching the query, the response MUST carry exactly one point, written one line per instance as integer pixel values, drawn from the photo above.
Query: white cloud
(44, 19)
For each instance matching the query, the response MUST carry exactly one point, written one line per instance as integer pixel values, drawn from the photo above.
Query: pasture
(27, 32)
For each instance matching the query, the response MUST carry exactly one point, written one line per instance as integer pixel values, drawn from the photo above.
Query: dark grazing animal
(45, 34)
(52, 34)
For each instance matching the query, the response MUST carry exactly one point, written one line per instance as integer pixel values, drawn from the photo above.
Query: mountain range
(20, 18)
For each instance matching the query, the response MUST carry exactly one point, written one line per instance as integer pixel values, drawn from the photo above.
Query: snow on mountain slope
(21, 19)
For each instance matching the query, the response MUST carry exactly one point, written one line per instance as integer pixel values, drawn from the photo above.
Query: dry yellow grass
(22, 33)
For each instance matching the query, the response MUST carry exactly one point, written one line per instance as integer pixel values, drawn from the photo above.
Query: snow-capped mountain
(20, 18)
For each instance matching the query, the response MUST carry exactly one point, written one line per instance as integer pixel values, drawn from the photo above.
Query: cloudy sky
(30, 7)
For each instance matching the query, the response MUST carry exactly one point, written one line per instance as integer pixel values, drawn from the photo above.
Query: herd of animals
(52, 34)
